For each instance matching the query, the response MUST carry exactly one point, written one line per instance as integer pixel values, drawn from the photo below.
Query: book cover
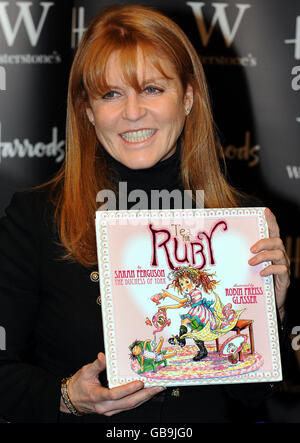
(180, 304)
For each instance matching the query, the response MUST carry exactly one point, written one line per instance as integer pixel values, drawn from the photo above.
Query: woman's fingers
(274, 241)
(94, 369)
(268, 244)
(120, 392)
(277, 256)
(272, 250)
(272, 224)
(280, 270)
(88, 395)
(126, 402)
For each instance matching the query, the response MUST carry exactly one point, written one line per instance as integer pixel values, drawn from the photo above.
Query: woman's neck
(163, 175)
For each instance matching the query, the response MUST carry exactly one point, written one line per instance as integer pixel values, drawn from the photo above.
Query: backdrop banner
(35, 56)
(251, 55)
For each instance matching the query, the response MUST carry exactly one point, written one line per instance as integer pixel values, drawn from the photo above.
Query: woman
(138, 111)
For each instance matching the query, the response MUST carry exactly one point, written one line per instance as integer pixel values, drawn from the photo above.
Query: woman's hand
(89, 396)
(272, 249)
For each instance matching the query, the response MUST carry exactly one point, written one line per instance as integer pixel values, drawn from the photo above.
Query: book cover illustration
(180, 303)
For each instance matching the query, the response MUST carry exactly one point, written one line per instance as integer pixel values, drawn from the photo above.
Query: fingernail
(139, 384)
(160, 389)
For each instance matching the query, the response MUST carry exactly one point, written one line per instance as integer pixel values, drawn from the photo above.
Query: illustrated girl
(191, 283)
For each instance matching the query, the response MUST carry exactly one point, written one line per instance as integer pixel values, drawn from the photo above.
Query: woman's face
(139, 129)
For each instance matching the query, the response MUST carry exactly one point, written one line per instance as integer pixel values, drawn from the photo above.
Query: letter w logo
(24, 16)
(219, 16)
(293, 172)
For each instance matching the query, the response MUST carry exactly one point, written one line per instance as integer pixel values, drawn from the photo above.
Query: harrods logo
(24, 17)
(246, 152)
(78, 28)
(26, 149)
(296, 41)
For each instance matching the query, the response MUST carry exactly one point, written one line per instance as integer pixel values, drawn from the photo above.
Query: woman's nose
(133, 107)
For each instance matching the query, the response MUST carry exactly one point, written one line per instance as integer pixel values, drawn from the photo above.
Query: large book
(181, 305)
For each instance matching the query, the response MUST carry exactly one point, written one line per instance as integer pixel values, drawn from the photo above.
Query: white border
(103, 219)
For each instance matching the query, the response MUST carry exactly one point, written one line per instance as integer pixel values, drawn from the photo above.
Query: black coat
(49, 310)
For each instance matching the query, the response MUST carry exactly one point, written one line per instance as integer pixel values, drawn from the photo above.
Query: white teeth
(138, 136)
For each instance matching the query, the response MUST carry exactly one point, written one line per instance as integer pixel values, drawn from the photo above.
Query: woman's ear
(90, 115)
(188, 99)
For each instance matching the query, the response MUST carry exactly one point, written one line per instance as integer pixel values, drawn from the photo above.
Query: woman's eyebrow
(144, 82)
(109, 86)
(156, 79)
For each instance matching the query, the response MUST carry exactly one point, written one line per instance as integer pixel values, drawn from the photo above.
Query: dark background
(249, 50)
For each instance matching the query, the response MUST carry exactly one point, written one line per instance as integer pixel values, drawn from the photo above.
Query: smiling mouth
(137, 136)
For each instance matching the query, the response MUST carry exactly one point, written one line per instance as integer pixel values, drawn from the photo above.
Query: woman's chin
(139, 163)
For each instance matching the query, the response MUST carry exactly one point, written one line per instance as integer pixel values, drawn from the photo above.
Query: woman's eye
(110, 95)
(153, 90)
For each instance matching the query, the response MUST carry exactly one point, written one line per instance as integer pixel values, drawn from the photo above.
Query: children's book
(181, 305)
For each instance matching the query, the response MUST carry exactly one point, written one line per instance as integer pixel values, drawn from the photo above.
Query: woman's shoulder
(29, 206)
(250, 201)
(30, 196)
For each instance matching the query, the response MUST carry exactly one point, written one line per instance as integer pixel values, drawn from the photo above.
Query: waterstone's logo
(24, 17)
(33, 30)
(220, 18)
(293, 172)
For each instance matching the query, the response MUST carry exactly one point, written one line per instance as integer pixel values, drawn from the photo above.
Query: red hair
(85, 172)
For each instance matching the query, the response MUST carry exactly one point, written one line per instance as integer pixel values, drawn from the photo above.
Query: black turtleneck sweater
(164, 175)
